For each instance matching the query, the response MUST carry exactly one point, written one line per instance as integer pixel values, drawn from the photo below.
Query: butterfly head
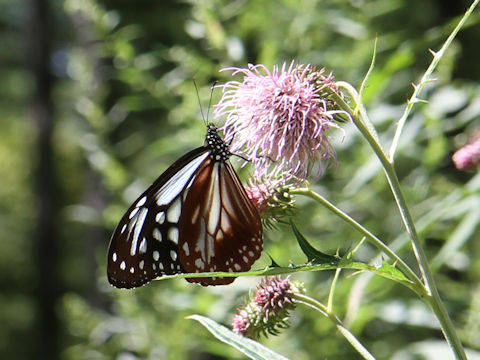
(219, 149)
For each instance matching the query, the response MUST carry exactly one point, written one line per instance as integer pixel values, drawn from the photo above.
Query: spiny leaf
(385, 270)
(390, 272)
(312, 254)
(274, 263)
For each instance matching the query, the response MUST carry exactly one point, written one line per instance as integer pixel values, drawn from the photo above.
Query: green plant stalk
(431, 295)
(426, 78)
(332, 290)
(433, 299)
(375, 241)
(314, 304)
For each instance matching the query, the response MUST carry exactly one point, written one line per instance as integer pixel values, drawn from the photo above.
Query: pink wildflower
(241, 322)
(267, 311)
(271, 197)
(279, 117)
(259, 195)
(274, 295)
(468, 157)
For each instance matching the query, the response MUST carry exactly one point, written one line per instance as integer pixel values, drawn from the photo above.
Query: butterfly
(196, 217)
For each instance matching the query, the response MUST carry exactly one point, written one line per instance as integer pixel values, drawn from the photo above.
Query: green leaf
(390, 272)
(274, 263)
(385, 270)
(312, 254)
(251, 348)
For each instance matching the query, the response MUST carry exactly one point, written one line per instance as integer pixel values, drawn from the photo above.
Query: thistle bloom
(245, 319)
(280, 117)
(271, 197)
(267, 311)
(468, 157)
(274, 295)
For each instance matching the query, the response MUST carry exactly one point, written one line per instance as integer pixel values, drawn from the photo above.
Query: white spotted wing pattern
(196, 217)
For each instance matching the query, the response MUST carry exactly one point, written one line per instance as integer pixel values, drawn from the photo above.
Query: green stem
(332, 290)
(431, 297)
(426, 78)
(314, 304)
(371, 237)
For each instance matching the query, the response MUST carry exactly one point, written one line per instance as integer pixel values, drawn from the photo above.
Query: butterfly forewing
(145, 242)
(196, 217)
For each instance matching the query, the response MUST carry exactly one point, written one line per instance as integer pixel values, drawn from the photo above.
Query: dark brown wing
(144, 245)
(219, 229)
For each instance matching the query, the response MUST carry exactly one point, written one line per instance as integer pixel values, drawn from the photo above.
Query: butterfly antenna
(199, 102)
(211, 96)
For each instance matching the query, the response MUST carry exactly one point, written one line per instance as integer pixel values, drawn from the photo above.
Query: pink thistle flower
(280, 116)
(241, 322)
(267, 311)
(271, 197)
(259, 195)
(468, 157)
(274, 295)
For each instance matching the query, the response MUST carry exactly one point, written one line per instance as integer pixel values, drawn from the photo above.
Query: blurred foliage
(125, 108)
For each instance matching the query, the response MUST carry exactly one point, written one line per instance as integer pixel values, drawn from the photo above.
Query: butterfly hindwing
(220, 229)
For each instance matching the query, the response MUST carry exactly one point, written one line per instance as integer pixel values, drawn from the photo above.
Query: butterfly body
(196, 217)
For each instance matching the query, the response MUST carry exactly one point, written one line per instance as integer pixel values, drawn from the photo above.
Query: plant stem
(362, 122)
(314, 304)
(431, 295)
(408, 272)
(426, 78)
(332, 290)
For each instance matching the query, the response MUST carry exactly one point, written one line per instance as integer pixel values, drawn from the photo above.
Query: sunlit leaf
(251, 348)
(312, 254)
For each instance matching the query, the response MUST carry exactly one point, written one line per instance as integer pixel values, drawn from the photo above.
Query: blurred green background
(97, 100)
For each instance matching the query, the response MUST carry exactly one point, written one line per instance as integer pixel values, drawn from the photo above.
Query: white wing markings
(178, 182)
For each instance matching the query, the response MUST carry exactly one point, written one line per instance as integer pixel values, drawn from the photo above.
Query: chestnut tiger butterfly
(196, 217)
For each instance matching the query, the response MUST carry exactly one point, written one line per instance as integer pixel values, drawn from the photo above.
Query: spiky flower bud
(272, 199)
(267, 311)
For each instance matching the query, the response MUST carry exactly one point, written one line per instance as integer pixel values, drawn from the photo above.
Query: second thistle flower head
(279, 116)
(271, 196)
(267, 311)
(274, 296)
